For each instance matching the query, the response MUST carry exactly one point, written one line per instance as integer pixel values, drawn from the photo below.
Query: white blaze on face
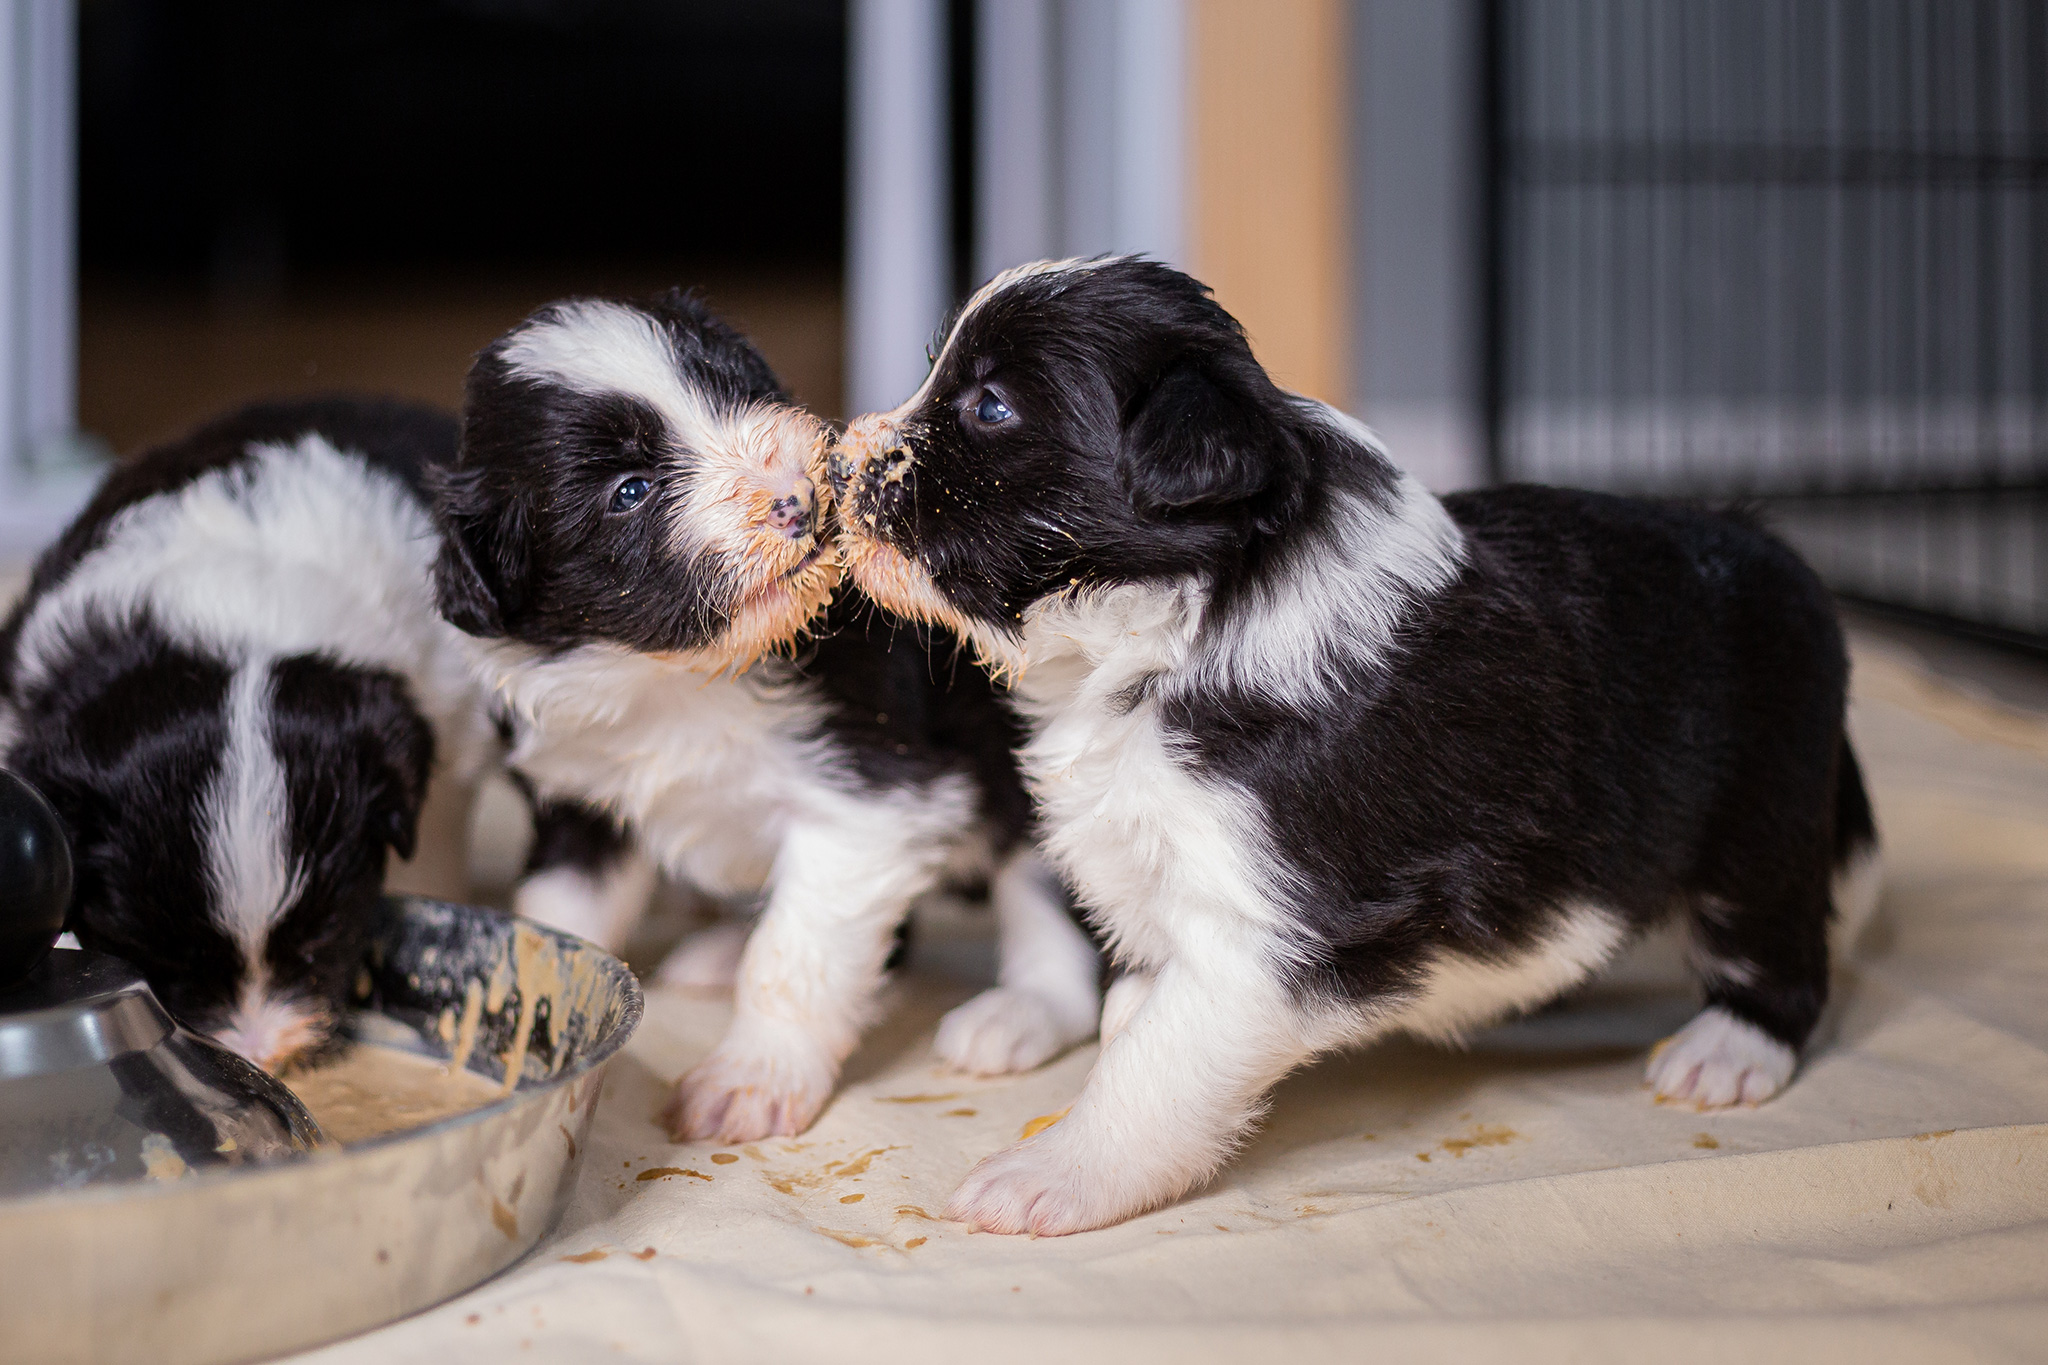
(268, 1030)
(592, 346)
(252, 875)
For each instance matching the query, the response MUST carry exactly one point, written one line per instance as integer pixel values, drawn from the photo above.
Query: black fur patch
(571, 834)
(908, 706)
(126, 746)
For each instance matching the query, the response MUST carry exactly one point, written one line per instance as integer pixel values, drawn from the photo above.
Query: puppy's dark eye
(991, 409)
(629, 494)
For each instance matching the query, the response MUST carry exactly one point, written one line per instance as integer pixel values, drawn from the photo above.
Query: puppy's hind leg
(1764, 965)
(1047, 993)
(585, 876)
(1760, 929)
(1858, 871)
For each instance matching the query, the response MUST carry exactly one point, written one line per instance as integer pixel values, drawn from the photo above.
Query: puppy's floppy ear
(1203, 436)
(337, 724)
(407, 768)
(481, 573)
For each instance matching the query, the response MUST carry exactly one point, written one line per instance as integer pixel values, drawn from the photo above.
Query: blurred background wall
(1788, 250)
(1795, 252)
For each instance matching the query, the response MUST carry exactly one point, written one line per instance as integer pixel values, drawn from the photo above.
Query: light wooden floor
(153, 361)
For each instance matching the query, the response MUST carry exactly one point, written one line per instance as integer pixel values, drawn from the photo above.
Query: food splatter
(852, 1239)
(161, 1160)
(798, 1182)
(1042, 1122)
(1483, 1135)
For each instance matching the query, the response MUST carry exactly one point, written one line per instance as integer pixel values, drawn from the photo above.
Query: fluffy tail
(1859, 868)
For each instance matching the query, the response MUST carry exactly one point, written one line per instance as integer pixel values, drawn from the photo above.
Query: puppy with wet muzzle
(1325, 756)
(638, 534)
(229, 677)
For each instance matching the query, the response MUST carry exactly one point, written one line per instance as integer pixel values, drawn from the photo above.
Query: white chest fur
(1160, 854)
(710, 771)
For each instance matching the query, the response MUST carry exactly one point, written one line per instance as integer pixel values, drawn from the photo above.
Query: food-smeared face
(1085, 423)
(635, 474)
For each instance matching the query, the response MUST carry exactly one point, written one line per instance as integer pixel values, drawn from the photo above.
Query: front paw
(759, 1082)
(1004, 1030)
(1053, 1184)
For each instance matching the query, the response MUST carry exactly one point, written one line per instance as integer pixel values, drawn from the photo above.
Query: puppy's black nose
(792, 515)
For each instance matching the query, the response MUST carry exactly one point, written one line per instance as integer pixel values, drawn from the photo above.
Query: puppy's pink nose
(791, 515)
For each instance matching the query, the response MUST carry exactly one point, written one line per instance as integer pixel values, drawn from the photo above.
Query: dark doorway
(359, 193)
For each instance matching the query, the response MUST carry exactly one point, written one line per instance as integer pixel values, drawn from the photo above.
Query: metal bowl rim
(631, 1009)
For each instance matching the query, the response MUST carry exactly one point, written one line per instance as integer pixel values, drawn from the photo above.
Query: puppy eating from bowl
(1325, 756)
(635, 526)
(229, 678)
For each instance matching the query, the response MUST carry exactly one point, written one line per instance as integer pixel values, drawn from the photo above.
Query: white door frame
(1080, 146)
(42, 475)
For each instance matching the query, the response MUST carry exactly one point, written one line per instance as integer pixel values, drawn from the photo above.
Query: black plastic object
(35, 878)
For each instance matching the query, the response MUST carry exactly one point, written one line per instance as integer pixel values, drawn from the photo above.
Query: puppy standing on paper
(634, 521)
(1325, 756)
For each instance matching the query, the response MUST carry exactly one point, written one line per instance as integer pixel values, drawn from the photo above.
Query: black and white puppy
(229, 677)
(636, 520)
(1325, 756)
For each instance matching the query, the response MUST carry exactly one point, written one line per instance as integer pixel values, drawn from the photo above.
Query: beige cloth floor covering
(1523, 1200)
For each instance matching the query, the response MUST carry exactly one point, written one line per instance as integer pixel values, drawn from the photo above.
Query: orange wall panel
(1269, 180)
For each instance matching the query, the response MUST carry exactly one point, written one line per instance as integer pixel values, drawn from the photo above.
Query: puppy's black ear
(337, 726)
(408, 767)
(481, 573)
(1204, 436)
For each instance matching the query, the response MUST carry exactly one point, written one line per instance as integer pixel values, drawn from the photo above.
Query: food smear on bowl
(372, 1090)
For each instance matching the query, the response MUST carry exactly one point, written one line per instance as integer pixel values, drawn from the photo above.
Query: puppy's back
(400, 438)
(228, 675)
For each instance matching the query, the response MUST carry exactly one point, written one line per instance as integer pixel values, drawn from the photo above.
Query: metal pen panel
(1789, 251)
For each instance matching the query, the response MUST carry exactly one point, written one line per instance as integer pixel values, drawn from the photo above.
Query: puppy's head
(230, 824)
(634, 473)
(1086, 423)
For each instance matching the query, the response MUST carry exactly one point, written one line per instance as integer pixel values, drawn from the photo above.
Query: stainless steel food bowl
(98, 1086)
(234, 1264)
